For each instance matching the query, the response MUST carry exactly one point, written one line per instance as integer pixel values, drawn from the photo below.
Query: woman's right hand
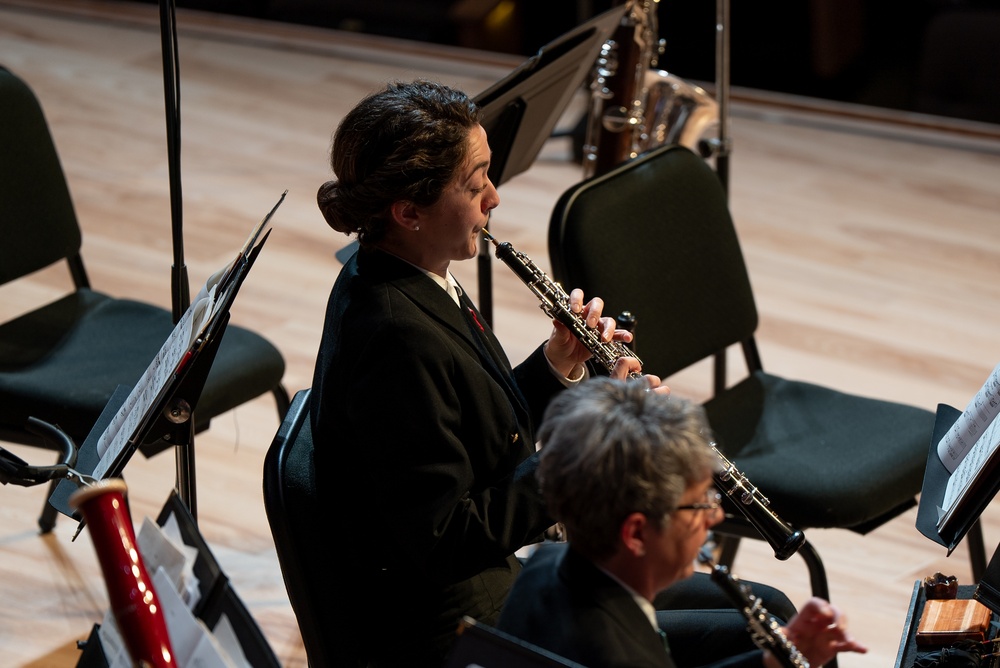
(624, 366)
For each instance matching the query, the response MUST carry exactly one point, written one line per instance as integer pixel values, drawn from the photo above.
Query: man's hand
(819, 631)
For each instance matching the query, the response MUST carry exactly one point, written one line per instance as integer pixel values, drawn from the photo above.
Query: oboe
(764, 629)
(784, 539)
(555, 303)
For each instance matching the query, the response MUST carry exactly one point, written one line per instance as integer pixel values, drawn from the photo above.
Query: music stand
(521, 110)
(965, 522)
(933, 490)
(160, 408)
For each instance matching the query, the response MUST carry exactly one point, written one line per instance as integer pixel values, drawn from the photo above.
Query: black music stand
(961, 523)
(933, 491)
(160, 408)
(965, 520)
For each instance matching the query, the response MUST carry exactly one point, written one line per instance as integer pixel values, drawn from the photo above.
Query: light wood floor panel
(873, 252)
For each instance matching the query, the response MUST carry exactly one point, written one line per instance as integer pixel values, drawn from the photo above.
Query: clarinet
(784, 539)
(555, 303)
(764, 629)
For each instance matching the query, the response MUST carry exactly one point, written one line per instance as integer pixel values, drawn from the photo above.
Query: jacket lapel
(582, 575)
(438, 305)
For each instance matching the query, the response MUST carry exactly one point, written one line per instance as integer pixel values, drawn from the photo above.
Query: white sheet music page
(123, 425)
(970, 443)
(175, 350)
(970, 425)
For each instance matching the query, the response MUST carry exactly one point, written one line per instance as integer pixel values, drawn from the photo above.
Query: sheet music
(167, 557)
(178, 347)
(165, 547)
(259, 230)
(969, 427)
(970, 444)
(114, 439)
(967, 472)
(193, 643)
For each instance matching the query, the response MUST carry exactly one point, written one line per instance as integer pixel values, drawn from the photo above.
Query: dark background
(929, 56)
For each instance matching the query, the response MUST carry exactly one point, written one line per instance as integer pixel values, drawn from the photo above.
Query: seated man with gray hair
(629, 474)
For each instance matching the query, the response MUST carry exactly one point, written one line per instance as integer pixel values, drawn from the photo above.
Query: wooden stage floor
(873, 247)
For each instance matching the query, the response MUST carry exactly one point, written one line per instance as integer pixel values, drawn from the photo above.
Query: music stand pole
(724, 143)
(180, 292)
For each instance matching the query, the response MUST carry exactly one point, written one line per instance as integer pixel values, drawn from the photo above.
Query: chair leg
(281, 399)
(817, 572)
(728, 545)
(47, 520)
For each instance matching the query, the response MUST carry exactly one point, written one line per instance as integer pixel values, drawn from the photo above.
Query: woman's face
(450, 228)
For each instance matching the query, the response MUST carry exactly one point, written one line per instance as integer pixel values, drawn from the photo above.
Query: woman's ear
(406, 215)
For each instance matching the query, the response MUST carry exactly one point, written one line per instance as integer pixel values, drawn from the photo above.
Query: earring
(416, 227)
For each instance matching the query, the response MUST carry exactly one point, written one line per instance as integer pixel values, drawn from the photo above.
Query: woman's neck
(414, 255)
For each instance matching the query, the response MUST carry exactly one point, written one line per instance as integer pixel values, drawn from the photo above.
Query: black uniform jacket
(425, 442)
(562, 602)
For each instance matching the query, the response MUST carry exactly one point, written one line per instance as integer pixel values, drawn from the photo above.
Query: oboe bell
(784, 538)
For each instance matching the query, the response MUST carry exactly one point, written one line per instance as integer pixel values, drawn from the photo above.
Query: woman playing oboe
(424, 432)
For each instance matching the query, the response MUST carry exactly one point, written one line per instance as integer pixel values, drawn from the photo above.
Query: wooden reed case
(944, 622)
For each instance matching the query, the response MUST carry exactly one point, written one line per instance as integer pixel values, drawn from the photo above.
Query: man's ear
(406, 214)
(633, 534)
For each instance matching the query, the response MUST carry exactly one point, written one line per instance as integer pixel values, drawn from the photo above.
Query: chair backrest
(297, 521)
(37, 217)
(654, 237)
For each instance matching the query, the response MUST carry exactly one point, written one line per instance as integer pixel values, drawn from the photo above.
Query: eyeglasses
(713, 502)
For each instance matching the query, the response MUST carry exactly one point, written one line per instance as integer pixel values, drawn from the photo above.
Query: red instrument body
(131, 595)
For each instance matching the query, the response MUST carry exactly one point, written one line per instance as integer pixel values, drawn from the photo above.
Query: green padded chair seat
(62, 362)
(812, 449)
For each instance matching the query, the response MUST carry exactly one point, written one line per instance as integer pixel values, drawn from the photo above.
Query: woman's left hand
(565, 352)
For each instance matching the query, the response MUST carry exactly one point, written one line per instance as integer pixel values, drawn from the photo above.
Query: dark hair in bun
(402, 143)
